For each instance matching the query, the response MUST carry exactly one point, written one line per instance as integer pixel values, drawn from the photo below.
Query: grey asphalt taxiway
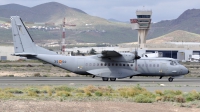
(151, 84)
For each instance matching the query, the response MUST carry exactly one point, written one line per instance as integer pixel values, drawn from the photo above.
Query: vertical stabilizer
(23, 43)
(21, 38)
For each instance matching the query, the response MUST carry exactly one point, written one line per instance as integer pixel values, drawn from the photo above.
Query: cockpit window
(173, 63)
(177, 63)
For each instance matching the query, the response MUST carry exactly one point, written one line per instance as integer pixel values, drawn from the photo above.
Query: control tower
(142, 25)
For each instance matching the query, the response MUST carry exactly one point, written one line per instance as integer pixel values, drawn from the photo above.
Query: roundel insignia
(59, 61)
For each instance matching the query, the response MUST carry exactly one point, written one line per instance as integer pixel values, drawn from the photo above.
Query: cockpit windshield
(177, 62)
(174, 63)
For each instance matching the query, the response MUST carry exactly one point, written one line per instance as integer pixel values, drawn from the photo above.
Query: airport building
(183, 51)
(178, 50)
(5, 53)
(142, 25)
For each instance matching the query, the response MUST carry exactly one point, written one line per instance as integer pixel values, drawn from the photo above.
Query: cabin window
(116, 64)
(120, 64)
(90, 64)
(105, 64)
(108, 64)
(97, 64)
(150, 65)
(157, 65)
(154, 65)
(127, 64)
(146, 65)
(124, 64)
(131, 64)
(113, 64)
(101, 64)
(93, 64)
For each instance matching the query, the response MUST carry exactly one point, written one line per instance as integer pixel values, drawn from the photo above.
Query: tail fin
(23, 43)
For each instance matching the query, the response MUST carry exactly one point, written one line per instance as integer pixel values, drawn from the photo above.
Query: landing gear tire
(112, 79)
(105, 78)
(170, 79)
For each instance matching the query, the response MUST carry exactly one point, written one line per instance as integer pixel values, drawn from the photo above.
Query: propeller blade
(136, 54)
(135, 65)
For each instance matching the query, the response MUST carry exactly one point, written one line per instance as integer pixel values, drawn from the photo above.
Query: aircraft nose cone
(185, 70)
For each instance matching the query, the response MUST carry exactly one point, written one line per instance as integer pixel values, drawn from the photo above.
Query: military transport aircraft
(108, 64)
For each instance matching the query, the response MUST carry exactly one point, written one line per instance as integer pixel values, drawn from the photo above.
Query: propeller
(136, 58)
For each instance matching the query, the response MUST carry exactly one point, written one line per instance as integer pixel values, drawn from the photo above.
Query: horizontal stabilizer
(24, 54)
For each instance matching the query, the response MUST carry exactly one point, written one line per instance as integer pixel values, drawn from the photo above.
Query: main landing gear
(112, 79)
(106, 79)
(170, 79)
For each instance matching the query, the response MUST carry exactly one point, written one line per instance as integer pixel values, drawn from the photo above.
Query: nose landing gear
(170, 79)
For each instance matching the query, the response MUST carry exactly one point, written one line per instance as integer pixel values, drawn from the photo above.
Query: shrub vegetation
(133, 93)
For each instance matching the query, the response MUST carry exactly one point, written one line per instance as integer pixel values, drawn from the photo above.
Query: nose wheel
(170, 79)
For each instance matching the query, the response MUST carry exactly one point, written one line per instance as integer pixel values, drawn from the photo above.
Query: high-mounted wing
(107, 54)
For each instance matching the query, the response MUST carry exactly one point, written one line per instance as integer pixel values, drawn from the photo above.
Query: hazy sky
(122, 10)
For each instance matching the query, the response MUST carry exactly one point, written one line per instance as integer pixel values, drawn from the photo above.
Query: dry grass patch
(6, 95)
(63, 93)
(134, 93)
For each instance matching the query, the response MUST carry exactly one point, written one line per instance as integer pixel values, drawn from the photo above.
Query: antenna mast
(63, 36)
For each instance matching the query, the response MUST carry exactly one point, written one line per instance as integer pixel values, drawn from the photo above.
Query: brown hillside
(176, 36)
